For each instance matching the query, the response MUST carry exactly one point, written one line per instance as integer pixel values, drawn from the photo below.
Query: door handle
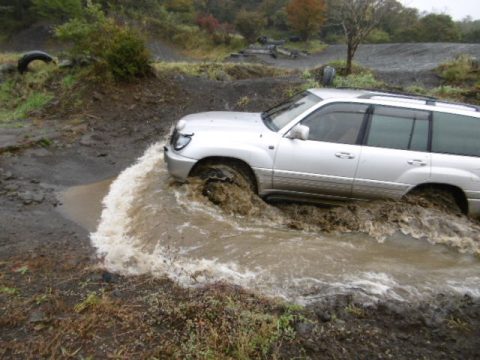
(417, 162)
(344, 155)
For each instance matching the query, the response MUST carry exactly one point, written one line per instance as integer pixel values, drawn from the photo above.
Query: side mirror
(300, 132)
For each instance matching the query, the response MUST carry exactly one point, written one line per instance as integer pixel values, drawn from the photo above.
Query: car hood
(223, 120)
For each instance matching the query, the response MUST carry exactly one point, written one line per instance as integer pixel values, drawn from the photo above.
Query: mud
(48, 265)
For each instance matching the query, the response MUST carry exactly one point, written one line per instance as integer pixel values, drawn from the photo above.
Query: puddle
(83, 204)
(151, 225)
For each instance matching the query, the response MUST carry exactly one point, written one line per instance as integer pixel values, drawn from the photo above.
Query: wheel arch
(215, 160)
(457, 192)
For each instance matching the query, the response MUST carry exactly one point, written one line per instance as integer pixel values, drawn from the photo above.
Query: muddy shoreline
(48, 267)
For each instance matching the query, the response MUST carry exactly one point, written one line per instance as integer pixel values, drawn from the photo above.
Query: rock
(86, 140)
(66, 63)
(222, 76)
(8, 68)
(102, 154)
(26, 197)
(11, 187)
(38, 197)
(8, 176)
(324, 316)
(35, 181)
(97, 96)
(109, 277)
(37, 317)
(304, 329)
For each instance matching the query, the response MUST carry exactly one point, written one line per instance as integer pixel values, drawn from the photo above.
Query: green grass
(311, 46)
(9, 58)
(219, 70)
(463, 69)
(21, 95)
(364, 81)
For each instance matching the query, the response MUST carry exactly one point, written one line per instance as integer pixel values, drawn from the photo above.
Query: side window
(397, 128)
(456, 134)
(337, 123)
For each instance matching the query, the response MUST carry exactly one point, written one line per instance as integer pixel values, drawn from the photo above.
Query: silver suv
(329, 145)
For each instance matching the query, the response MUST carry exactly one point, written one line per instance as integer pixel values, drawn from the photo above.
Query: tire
(328, 75)
(226, 172)
(440, 198)
(28, 57)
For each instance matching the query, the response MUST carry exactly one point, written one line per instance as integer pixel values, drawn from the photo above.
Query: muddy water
(378, 250)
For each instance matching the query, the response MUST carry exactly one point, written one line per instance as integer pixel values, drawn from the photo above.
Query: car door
(324, 164)
(395, 154)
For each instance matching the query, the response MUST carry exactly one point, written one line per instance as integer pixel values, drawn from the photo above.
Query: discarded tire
(30, 56)
(328, 75)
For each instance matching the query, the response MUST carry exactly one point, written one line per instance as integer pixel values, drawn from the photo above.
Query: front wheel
(226, 172)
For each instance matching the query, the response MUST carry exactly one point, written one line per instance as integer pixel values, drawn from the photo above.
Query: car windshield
(280, 115)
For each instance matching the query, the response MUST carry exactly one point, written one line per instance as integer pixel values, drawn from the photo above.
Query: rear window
(456, 134)
(398, 128)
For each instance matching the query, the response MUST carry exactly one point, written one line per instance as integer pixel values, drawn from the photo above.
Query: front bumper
(474, 208)
(178, 166)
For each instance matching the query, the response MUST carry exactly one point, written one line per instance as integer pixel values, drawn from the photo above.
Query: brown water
(376, 250)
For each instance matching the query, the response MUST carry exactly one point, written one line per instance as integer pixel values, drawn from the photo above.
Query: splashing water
(382, 249)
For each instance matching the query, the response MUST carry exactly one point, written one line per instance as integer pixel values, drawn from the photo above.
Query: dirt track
(47, 268)
(386, 57)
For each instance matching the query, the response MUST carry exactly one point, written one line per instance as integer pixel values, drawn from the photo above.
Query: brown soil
(56, 301)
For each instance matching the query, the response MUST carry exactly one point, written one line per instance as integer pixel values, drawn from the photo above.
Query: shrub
(58, 10)
(118, 50)
(208, 23)
(462, 69)
(378, 36)
(306, 16)
(249, 24)
(362, 81)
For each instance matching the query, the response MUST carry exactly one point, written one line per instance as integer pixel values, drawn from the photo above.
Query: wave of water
(149, 225)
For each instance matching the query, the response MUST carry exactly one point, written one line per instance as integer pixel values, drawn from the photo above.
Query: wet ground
(373, 251)
(384, 284)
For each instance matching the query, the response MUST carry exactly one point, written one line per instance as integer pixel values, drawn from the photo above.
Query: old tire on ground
(328, 75)
(231, 172)
(30, 56)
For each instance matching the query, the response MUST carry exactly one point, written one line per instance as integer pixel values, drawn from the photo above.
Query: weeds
(219, 71)
(355, 310)
(310, 46)
(243, 102)
(363, 81)
(8, 290)
(459, 324)
(91, 301)
(463, 69)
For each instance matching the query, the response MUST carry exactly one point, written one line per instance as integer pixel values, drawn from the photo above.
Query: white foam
(124, 254)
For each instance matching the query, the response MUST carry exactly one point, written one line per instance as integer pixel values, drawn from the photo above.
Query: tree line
(305, 18)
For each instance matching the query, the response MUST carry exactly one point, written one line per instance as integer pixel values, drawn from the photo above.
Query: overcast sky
(457, 9)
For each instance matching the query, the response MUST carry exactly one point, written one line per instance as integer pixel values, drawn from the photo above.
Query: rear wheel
(442, 197)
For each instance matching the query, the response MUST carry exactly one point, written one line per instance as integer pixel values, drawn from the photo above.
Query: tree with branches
(306, 16)
(358, 18)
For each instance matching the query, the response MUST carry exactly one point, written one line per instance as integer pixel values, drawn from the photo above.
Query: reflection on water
(150, 225)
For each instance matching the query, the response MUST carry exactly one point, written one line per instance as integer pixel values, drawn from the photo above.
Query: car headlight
(179, 141)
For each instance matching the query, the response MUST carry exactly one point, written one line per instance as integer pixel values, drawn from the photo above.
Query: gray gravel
(385, 57)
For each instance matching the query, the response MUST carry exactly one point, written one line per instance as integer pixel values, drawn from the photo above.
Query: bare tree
(358, 18)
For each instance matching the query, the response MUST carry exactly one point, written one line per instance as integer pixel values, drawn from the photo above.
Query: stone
(38, 197)
(26, 197)
(37, 317)
(11, 187)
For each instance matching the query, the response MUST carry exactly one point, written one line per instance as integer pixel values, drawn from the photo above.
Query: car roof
(392, 98)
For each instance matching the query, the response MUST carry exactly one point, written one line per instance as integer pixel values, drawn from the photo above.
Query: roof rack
(429, 100)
